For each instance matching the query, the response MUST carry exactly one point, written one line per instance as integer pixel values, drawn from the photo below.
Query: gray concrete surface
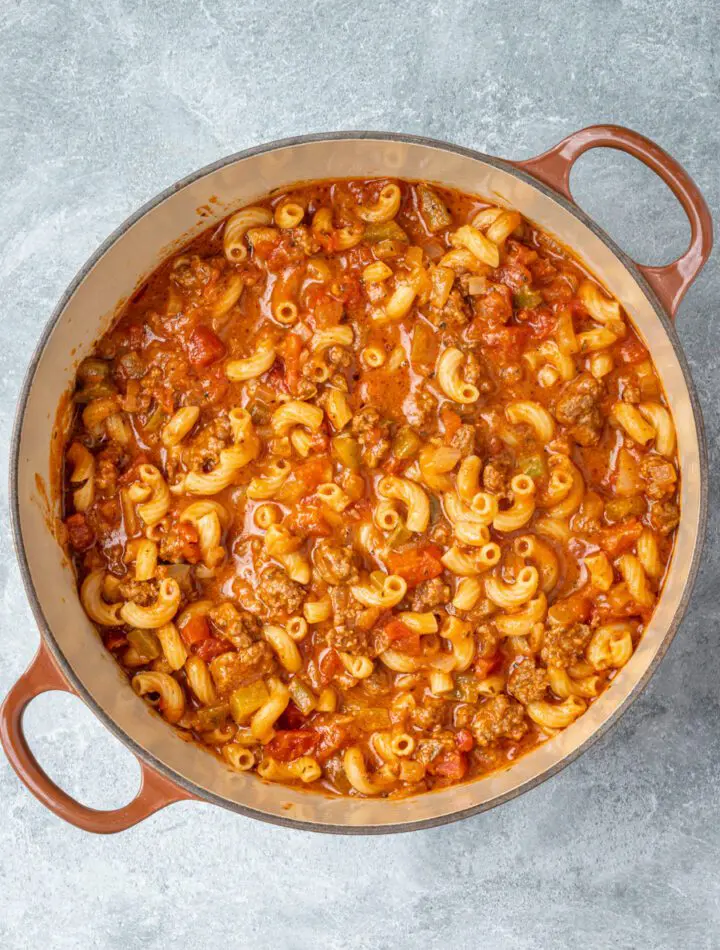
(103, 104)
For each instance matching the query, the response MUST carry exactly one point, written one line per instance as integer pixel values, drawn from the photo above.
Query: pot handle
(155, 790)
(671, 280)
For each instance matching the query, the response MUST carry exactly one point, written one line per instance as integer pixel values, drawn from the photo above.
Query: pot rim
(46, 634)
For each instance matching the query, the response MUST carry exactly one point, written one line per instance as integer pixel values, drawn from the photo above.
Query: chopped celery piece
(346, 450)
(467, 688)
(387, 231)
(399, 535)
(526, 298)
(259, 412)
(406, 443)
(208, 718)
(92, 369)
(533, 465)
(246, 700)
(146, 644)
(302, 696)
(94, 391)
(434, 213)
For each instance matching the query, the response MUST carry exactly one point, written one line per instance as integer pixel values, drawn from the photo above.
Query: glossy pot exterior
(73, 657)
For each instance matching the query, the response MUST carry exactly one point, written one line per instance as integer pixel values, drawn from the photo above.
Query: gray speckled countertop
(102, 105)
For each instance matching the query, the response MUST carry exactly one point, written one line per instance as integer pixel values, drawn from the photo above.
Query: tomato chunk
(402, 638)
(417, 565)
(327, 311)
(631, 350)
(190, 541)
(397, 630)
(495, 307)
(80, 534)
(195, 631)
(452, 765)
(211, 647)
(292, 718)
(205, 347)
(464, 740)
(313, 473)
(619, 538)
(451, 420)
(289, 744)
(114, 641)
(331, 738)
(308, 521)
(328, 664)
(483, 665)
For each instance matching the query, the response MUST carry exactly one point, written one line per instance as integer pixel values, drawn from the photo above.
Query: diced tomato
(205, 347)
(416, 565)
(289, 744)
(292, 718)
(264, 251)
(496, 306)
(313, 473)
(349, 289)
(464, 740)
(114, 641)
(558, 291)
(521, 253)
(80, 534)
(411, 645)
(514, 276)
(573, 609)
(190, 550)
(631, 350)
(328, 664)
(452, 765)
(307, 520)
(620, 537)
(540, 320)
(210, 648)
(326, 310)
(511, 340)
(397, 630)
(290, 351)
(542, 271)
(484, 665)
(402, 638)
(195, 630)
(332, 737)
(451, 420)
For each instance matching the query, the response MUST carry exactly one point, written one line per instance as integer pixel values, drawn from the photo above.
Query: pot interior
(86, 312)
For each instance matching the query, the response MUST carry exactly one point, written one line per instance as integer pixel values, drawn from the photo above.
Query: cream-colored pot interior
(127, 258)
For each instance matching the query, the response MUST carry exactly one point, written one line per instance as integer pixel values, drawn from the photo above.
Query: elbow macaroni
(334, 467)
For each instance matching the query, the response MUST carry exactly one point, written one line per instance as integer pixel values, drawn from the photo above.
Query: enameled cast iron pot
(71, 656)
